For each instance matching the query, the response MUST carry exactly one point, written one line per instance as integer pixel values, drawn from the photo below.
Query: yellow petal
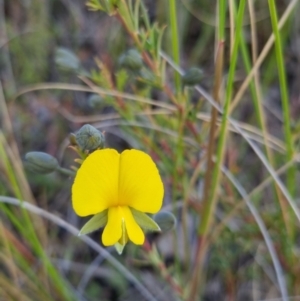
(113, 230)
(135, 233)
(95, 186)
(140, 185)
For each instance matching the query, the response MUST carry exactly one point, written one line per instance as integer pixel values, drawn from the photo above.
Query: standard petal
(135, 233)
(140, 185)
(113, 230)
(95, 186)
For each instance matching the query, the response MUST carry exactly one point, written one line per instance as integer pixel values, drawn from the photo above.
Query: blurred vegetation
(206, 90)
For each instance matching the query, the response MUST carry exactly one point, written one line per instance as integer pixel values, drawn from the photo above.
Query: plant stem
(291, 183)
(211, 144)
(175, 43)
(255, 88)
(210, 202)
(208, 212)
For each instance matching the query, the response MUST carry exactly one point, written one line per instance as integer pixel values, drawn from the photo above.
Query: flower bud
(131, 60)
(192, 77)
(66, 59)
(165, 220)
(94, 101)
(89, 138)
(40, 162)
(145, 78)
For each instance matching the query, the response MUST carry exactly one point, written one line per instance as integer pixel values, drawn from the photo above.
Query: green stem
(209, 207)
(291, 183)
(259, 113)
(201, 248)
(175, 43)
(222, 19)
(66, 172)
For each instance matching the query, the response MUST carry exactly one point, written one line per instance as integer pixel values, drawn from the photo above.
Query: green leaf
(96, 222)
(121, 79)
(94, 5)
(144, 220)
(115, 3)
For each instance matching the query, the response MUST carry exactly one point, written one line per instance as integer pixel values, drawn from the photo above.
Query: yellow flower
(121, 184)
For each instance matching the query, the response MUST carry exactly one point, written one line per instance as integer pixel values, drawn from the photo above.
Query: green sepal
(95, 223)
(144, 220)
